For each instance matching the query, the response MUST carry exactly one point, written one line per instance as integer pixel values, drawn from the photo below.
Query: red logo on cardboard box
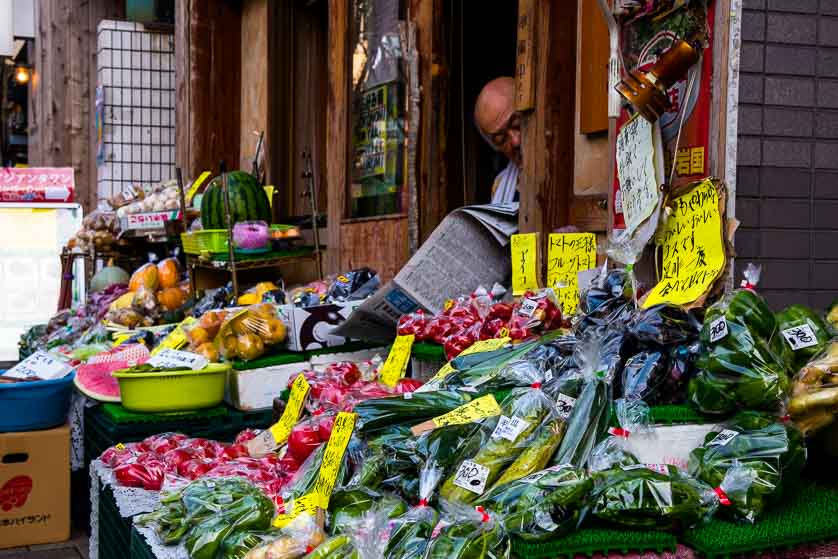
(14, 492)
(37, 184)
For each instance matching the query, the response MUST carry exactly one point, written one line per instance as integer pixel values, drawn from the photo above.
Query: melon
(107, 277)
(248, 201)
(97, 382)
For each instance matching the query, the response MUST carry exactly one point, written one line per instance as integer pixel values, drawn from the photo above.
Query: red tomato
(304, 439)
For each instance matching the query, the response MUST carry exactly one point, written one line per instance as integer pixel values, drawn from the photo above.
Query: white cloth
(506, 185)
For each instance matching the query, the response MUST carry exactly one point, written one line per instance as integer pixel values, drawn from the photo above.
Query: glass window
(378, 110)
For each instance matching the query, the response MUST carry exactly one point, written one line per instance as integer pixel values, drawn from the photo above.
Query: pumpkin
(169, 272)
(171, 298)
(145, 276)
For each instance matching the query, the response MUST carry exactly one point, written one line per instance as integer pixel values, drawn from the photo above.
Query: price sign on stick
(396, 364)
(480, 408)
(567, 255)
(693, 247)
(526, 262)
(271, 438)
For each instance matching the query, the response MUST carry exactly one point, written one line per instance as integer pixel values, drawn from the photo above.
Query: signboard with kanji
(55, 185)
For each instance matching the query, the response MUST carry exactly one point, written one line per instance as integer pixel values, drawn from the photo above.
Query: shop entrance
(480, 46)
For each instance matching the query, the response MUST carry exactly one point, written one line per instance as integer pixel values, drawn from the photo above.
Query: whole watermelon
(248, 201)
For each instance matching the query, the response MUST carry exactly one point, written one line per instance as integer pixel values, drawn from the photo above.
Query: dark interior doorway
(481, 44)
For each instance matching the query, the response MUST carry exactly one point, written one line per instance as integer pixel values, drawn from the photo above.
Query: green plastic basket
(213, 241)
(173, 391)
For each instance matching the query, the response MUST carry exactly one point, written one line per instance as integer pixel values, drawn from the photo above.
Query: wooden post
(336, 128)
(546, 184)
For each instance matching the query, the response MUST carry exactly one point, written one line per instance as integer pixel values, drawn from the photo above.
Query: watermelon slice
(96, 382)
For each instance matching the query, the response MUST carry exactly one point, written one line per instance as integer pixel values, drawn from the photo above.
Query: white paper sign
(509, 428)
(170, 358)
(800, 337)
(564, 405)
(528, 307)
(41, 365)
(636, 171)
(472, 477)
(718, 329)
(724, 437)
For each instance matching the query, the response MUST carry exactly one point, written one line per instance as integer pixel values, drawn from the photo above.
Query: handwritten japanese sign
(152, 220)
(394, 367)
(636, 171)
(272, 438)
(567, 255)
(333, 456)
(525, 262)
(174, 358)
(37, 184)
(485, 406)
(41, 365)
(800, 337)
(693, 248)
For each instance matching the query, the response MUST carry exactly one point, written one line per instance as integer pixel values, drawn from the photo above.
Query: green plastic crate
(139, 546)
(114, 531)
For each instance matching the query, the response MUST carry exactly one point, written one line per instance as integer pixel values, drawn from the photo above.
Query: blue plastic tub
(29, 406)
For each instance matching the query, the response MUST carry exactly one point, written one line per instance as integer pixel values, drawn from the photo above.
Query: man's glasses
(500, 137)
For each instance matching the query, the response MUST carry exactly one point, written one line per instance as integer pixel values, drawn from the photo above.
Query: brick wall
(787, 175)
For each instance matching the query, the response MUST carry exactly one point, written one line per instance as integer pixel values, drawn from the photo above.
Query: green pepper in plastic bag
(804, 331)
(656, 497)
(349, 505)
(543, 505)
(772, 453)
(469, 533)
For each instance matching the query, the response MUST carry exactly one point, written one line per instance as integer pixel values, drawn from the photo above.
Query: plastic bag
(599, 361)
(245, 334)
(347, 507)
(301, 536)
(353, 286)
(664, 325)
(814, 397)
(508, 447)
(652, 497)
(772, 452)
(544, 505)
(743, 365)
(804, 331)
(534, 314)
(379, 413)
(469, 533)
(645, 376)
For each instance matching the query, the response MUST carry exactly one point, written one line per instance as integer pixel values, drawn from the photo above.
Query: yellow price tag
(394, 367)
(693, 247)
(526, 265)
(332, 457)
(282, 428)
(269, 192)
(567, 255)
(196, 184)
(305, 504)
(476, 347)
(485, 406)
(176, 338)
(120, 447)
(121, 339)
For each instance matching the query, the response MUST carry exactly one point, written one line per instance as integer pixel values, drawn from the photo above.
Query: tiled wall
(136, 67)
(787, 175)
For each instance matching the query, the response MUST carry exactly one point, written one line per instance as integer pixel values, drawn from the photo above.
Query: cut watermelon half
(96, 382)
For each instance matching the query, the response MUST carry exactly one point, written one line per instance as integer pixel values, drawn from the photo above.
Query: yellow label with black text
(305, 504)
(485, 406)
(396, 364)
(525, 265)
(477, 347)
(196, 184)
(176, 338)
(282, 428)
(333, 457)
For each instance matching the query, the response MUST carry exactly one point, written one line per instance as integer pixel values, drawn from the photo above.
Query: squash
(169, 272)
(146, 276)
(108, 276)
(171, 298)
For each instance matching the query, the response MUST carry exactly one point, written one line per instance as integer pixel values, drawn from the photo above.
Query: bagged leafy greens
(804, 331)
(744, 362)
(409, 409)
(543, 505)
(814, 397)
(410, 533)
(469, 533)
(771, 453)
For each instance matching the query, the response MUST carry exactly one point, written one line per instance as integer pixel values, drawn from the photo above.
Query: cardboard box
(34, 487)
(255, 389)
(311, 328)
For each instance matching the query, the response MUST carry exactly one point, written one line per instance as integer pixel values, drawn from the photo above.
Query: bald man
(500, 125)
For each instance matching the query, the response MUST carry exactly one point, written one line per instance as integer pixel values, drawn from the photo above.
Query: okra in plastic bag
(771, 452)
(469, 533)
(814, 394)
(543, 505)
(517, 443)
(744, 362)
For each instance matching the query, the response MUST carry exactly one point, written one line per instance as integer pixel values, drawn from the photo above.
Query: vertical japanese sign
(567, 255)
(693, 247)
(525, 262)
(636, 171)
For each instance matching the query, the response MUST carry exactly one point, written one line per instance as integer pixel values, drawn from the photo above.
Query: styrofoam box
(256, 389)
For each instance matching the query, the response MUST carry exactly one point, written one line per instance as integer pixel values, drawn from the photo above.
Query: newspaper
(466, 250)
